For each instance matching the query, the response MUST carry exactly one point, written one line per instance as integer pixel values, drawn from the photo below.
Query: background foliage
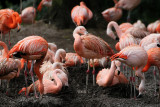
(59, 13)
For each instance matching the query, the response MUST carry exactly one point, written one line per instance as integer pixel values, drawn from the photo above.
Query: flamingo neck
(59, 55)
(116, 27)
(77, 42)
(12, 23)
(5, 51)
(147, 66)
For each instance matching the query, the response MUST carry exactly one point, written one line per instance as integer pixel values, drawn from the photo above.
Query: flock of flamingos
(138, 46)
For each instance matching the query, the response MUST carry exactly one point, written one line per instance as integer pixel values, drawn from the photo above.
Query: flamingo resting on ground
(134, 56)
(50, 86)
(90, 47)
(112, 14)
(110, 77)
(81, 14)
(10, 68)
(32, 48)
(28, 15)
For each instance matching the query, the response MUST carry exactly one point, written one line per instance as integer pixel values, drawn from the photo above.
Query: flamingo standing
(153, 60)
(112, 14)
(50, 86)
(110, 77)
(81, 14)
(10, 68)
(134, 56)
(90, 47)
(28, 15)
(127, 5)
(9, 20)
(32, 48)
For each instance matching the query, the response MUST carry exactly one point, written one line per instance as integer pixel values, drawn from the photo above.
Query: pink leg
(25, 75)
(87, 72)
(93, 72)
(9, 41)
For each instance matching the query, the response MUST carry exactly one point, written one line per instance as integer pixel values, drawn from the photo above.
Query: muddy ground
(74, 95)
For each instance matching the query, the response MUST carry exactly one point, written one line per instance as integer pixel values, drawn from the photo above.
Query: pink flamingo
(112, 14)
(60, 56)
(153, 60)
(28, 15)
(10, 68)
(50, 86)
(47, 3)
(152, 26)
(9, 20)
(81, 14)
(32, 48)
(90, 47)
(127, 5)
(134, 56)
(110, 77)
(73, 59)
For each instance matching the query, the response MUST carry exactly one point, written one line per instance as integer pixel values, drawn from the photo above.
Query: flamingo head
(82, 3)
(81, 30)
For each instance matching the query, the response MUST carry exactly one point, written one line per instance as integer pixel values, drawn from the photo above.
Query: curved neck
(116, 27)
(5, 51)
(59, 55)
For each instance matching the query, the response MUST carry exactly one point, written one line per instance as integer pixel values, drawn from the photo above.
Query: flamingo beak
(158, 45)
(119, 72)
(63, 60)
(19, 27)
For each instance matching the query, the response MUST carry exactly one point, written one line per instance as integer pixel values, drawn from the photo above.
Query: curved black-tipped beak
(117, 38)
(158, 45)
(63, 61)
(119, 72)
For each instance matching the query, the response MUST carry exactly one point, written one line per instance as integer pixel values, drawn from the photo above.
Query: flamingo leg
(87, 72)
(134, 84)
(7, 87)
(131, 82)
(31, 73)
(129, 16)
(154, 75)
(0, 82)
(25, 75)
(93, 72)
(9, 41)
(1, 36)
(159, 84)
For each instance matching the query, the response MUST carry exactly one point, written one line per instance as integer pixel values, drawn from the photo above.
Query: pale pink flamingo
(127, 5)
(110, 77)
(90, 47)
(50, 86)
(139, 25)
(134, 56)
(60, 56)
(81, 14)
(28, 15)
(152, 26)
(32, 48)
(112, 14)
(10, 68)
(73, 59)
(47, 3)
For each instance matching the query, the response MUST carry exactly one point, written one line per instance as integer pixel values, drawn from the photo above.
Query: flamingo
(110, 77)
(140, 25)
(60, 55)
(28, 15)
(8, 69)
(134, 56)
(153, 60)
(50, 86)
(152, 26)
(32, 48)
(81, 14)
(127, 5)
(73, 59)
(9, 20)
(112, 14)
(90, 47)
(47, 3)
